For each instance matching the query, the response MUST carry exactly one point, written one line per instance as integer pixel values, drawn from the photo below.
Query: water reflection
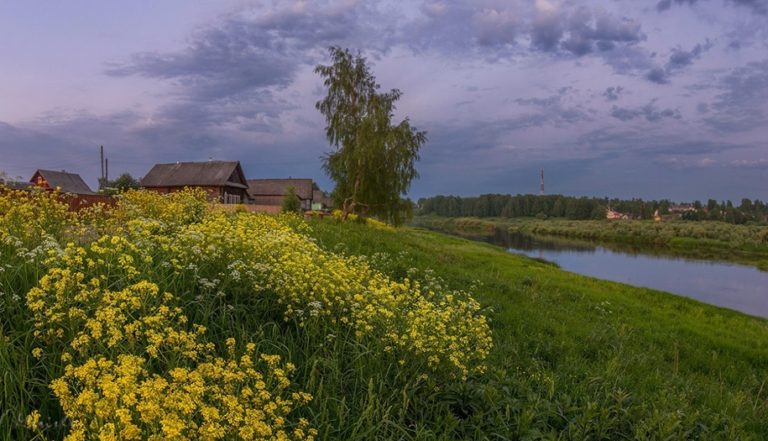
(734, 286)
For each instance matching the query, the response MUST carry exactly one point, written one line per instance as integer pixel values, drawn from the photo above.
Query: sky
(618, 98)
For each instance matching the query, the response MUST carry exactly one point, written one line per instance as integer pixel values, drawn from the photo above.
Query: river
(734, 286)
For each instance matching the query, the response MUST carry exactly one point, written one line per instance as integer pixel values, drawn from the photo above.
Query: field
(164, 319)
(746, 244)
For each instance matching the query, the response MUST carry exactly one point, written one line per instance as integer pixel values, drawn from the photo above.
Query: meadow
(712, 240)
(165, 319)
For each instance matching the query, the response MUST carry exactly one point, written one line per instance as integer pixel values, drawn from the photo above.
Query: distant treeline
(569, 207)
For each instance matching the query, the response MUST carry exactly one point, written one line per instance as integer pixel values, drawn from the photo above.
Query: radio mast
(541, 188)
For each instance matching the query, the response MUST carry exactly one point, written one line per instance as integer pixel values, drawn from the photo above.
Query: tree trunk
(351, 202)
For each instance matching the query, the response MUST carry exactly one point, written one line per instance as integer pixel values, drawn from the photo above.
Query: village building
(61, 181)
(321, 201)
(611, 214)
(224, 181)
(271, 192)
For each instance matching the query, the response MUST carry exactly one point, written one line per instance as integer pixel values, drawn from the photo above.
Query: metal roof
(192, 174)
(278, 187)
(65, 182)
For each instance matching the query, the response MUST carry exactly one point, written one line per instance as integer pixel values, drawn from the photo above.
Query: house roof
(16, 185)
(66, 182)
(278, 187)
(192, 174)
(322, 197)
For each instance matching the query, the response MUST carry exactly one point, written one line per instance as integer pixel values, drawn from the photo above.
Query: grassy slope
(577, 357)
(738, 243)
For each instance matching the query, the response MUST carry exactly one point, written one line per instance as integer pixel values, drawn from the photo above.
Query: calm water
(734, 286)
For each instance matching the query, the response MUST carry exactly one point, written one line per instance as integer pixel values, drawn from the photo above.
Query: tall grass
(161, 318)
(377, 323)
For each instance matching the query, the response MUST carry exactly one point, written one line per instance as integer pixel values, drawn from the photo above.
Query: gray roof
(66, 182)
(16, 185)
(278, 187)
(192, 174)
(322, 197)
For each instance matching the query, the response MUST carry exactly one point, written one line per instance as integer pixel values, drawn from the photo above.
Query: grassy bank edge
(591, 232)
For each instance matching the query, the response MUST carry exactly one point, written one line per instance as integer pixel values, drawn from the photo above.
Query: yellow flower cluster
(216, 399)
(134, 366)
(445, 330)
(168, 212)
(26, 218)
(136, 369)
(371, 222)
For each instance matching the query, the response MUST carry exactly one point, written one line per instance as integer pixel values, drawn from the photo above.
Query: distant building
(271, 192)
(16, 185)
(224, 181)
(610, 214)
(321, 201)
(61, 181)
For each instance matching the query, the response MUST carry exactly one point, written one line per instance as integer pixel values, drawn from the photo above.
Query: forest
(581, 208)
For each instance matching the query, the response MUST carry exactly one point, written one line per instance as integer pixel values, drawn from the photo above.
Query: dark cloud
(602, 31)
(681, 58)
(664, 5)
(486, 28)
(547, 28)
(553, 110)
(495, 26)
(650, 146)
(678, 60)
(757, 6)
(613, 93)
(581, 33)
(610, 28)
(650, 112)
(242, 54)
(741, 104)
(657, 75)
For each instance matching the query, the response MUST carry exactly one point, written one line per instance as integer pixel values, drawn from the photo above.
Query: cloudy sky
(624, 98)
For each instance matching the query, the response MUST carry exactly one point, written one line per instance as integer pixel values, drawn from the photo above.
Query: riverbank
(700, 240)
(164, 318)
(575, 357)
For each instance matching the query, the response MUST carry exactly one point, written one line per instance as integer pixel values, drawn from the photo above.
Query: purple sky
(621, 98)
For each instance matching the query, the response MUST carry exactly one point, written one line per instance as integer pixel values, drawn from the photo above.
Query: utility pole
(101, 157)
(541, 188)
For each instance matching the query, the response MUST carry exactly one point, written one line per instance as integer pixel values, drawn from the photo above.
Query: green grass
(574, 357)
(580, 358)
(747, 244)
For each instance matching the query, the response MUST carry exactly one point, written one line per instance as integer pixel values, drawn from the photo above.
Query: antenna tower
(541, 188)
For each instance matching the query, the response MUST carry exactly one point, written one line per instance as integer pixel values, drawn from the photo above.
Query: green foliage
(124, 183)
(578, 358)
(703, 240)
(559, 206)
(373, 159)
(574, 358)
(291, 202)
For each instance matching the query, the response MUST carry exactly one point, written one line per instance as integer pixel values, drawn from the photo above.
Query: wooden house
(271, 192)
(61, 181)
(224, 181)
(321, 201)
